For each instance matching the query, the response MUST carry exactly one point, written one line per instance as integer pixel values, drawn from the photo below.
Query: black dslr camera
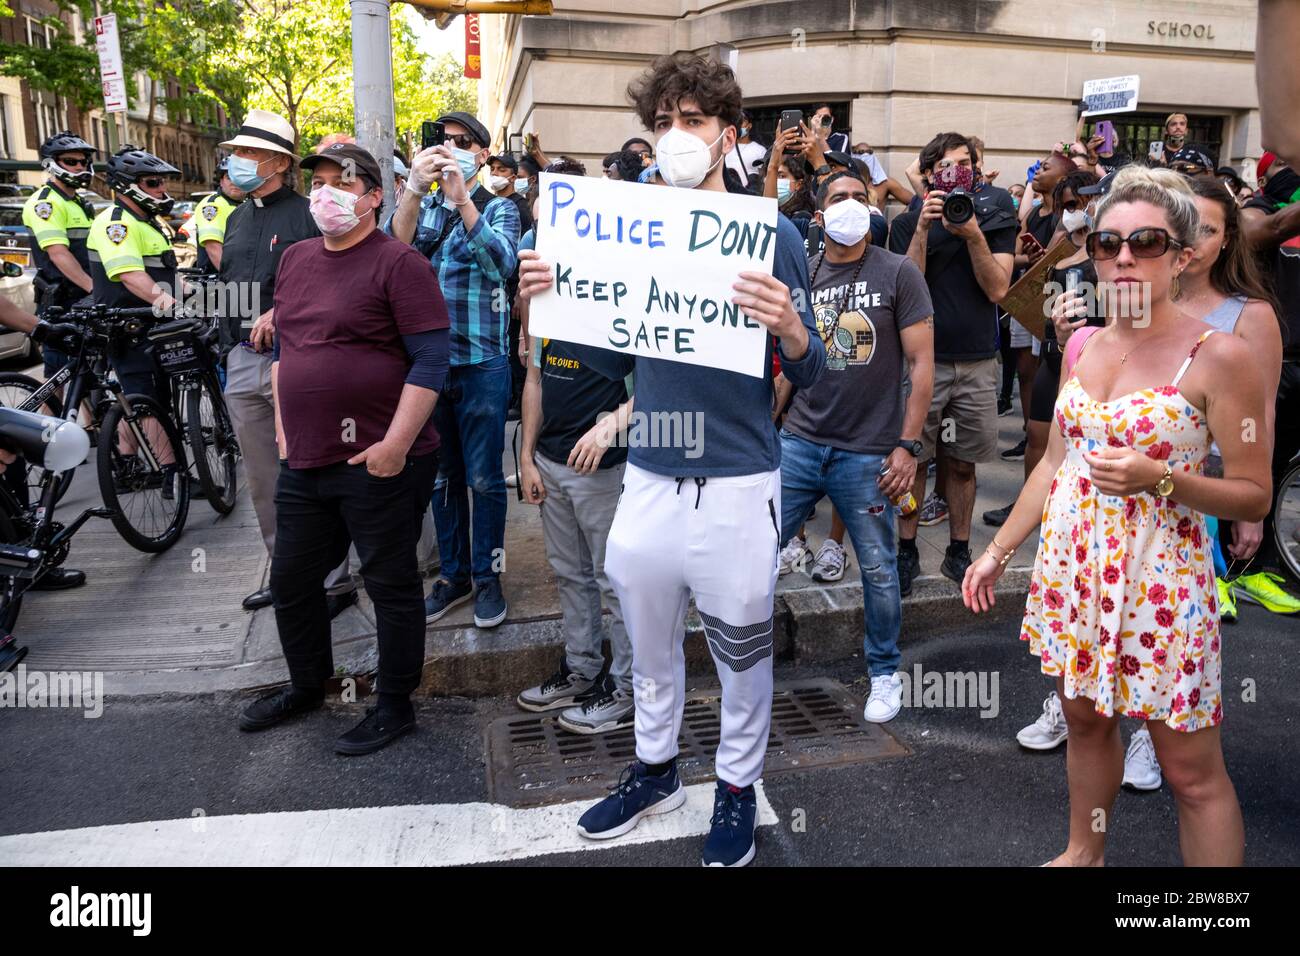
(956, 182)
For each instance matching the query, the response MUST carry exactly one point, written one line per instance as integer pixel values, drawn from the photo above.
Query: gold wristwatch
(1165, 486)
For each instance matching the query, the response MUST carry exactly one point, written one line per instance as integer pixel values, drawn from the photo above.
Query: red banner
(473, 61)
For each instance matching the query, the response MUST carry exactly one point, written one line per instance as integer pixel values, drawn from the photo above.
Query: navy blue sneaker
(489, 604)
(731, 841)
(637, 795)
(444, 597)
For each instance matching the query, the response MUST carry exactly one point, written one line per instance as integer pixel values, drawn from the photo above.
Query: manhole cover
(815, 723)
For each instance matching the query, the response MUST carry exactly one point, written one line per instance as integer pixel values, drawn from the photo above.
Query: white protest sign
(648, 270)
(1118, 94)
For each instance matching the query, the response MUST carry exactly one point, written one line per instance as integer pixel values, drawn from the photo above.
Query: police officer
(132, 263)
(210, 215)
(59, 222)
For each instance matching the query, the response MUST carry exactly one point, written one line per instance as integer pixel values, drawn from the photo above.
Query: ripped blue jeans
(810, 472)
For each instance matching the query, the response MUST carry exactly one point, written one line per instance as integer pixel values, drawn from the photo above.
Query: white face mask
(847, 221)
(684, 159)
(1074, 220)
(499, 183)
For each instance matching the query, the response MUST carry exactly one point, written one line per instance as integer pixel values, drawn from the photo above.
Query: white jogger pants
(715, 539)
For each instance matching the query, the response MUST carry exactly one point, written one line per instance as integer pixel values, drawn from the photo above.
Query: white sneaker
(1141, 768)
(794, 556)
(886, 699)
(830, 561)
(1048, 730)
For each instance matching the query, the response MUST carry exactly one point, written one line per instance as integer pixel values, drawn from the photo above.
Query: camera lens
(958, 207)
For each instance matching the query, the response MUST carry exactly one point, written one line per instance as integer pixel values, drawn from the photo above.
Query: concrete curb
(813, 624)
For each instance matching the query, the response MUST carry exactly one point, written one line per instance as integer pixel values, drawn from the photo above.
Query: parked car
(19, 290)
(15, 240)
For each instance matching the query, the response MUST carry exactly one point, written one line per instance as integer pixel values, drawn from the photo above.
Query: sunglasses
(1148, 243)
(73, 161)
(153, 182)
(462, 140)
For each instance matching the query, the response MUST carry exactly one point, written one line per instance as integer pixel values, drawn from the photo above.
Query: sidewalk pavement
(172, 623)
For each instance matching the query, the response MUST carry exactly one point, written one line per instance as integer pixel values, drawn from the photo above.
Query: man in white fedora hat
(272, 219)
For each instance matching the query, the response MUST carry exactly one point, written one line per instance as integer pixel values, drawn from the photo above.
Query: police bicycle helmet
(130, 164)
(67, 142)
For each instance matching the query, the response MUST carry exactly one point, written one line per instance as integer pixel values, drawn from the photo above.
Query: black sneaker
(909, 567)
(278, 707)
(731, 841)
(10, 653)
(1004, 406)
(1016, 452)
(378, 729)
(170, 475)
(999, 517)
(59, 579)
(955, 563)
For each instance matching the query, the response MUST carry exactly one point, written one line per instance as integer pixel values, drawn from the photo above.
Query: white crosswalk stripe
(444, 834)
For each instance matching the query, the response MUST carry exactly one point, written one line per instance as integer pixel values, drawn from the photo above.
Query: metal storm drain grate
(533, 761)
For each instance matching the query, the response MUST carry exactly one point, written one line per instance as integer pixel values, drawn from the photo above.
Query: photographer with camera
(963, 242)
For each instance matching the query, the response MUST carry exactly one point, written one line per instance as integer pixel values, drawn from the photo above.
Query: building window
(50, 115)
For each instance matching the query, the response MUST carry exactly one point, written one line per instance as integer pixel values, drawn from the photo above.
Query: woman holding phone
(1121, 609)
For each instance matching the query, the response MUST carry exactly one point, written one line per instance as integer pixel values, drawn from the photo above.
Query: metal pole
(372, 84)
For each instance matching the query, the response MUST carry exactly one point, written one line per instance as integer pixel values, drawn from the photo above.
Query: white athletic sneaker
(794, 556)
(830, 561)
(886, 699)
(1141, 769)
(1048, 730)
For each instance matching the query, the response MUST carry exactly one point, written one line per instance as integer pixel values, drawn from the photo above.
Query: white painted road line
(443, 834)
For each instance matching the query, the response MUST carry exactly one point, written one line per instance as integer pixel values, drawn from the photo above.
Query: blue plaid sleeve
(494, 240)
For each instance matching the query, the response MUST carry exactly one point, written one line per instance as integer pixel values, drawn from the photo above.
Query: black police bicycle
(31, 541)
(188, 351)
(140, 456)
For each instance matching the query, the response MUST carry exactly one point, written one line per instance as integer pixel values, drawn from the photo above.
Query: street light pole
(372, 78)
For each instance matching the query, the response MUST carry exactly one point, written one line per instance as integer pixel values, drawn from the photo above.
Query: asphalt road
(966, 795)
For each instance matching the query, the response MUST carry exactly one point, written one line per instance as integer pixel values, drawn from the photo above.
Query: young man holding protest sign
(702, 521)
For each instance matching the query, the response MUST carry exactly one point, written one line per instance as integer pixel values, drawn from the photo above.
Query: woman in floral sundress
(1121, 608)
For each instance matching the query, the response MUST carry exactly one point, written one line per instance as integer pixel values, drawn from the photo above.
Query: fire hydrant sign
(110, 63)
(648, 270)
(1118, 94)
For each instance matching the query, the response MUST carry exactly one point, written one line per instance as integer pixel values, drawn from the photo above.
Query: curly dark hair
(1073, 181)
(627, 162)
(678, 76)
(801, 200)
(942, 144)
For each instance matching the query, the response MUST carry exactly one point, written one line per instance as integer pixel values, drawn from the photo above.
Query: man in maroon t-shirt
(360, 356)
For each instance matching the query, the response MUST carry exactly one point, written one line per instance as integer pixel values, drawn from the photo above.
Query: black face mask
(1282, 186)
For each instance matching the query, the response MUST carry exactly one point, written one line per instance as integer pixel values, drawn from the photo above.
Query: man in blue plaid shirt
(471, 238)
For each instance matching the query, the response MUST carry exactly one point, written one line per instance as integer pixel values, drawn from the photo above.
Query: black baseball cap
(505, 159)
(363, 164)
(1100, 188)
(476, 129)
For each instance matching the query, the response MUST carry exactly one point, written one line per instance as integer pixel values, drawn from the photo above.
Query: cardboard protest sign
(648, 270)
(1117, 94)
(1026, 301)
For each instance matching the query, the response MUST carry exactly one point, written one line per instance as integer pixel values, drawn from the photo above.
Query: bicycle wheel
(1286, 520)
(143, 475)
(213, 446)
(16, 391)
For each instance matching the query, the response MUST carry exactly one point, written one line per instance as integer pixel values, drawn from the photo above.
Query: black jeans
(318, 512)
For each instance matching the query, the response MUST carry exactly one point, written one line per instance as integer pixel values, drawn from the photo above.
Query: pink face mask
(334, 210)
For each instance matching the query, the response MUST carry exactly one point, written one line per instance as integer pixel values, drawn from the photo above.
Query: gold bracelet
(1001, 547)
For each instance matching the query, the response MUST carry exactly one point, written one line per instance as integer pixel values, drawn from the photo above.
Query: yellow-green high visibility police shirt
(122, 242)
(54, 219)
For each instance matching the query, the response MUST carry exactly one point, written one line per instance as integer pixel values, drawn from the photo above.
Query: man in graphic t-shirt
(855, 435)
